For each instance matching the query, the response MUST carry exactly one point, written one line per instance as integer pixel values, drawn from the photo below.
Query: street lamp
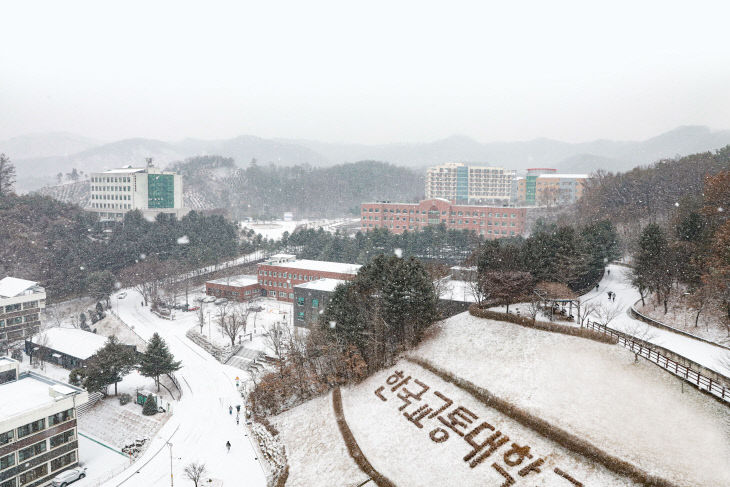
(171, 479)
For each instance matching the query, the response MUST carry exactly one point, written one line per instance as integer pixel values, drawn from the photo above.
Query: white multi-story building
(21, 303)
(38, 434)
(472, 184)
(148, 189)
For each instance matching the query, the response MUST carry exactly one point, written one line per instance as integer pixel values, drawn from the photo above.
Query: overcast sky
(365, 71)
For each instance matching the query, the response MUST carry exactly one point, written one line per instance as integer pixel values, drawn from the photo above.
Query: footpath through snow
(616, 279)
(201, 423)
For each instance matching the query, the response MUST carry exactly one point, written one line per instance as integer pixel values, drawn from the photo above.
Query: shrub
(542, 325)
(150, 406)
(124, 398)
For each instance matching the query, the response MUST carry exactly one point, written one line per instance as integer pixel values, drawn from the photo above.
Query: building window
(6, 437)
(62, 461)
(282, 294)
(300, 316)
(7, 461)
(61, 417)
(31, 475)
(300, 301)
(291, 295)
(64, 437)
(33, 427)
(31, 451)
(315, 303)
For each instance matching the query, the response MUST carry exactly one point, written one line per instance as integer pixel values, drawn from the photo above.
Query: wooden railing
(641, 349)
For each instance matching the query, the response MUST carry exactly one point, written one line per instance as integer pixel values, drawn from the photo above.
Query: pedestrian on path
(596, 286)
(228, 446)
(236, 420)
(609, 295)
(608, 271)
(230, 410)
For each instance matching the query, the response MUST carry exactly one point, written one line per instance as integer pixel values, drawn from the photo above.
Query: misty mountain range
(39, 157)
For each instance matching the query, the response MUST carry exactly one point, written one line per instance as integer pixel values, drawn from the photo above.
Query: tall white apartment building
(21, 304)
(472, 184)
(148, 189)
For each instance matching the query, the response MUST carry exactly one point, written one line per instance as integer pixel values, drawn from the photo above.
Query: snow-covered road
(201, 423)
(616, 279)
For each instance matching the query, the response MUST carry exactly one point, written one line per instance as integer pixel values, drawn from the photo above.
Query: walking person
(228, 446)
(230, 410)
(236, 420)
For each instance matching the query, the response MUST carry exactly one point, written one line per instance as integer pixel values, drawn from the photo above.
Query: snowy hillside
(633, 411)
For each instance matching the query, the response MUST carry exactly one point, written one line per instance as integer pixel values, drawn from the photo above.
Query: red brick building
(488, 221)
(240, 288)
(281, 272)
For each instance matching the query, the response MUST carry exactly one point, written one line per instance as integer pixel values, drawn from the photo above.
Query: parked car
(193, 308)
(122, 295)
(209, 299)
(220, 301)
(256, 309)
(200, 299)
(68, 476)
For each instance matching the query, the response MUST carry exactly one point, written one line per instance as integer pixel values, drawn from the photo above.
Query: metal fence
(641, 349)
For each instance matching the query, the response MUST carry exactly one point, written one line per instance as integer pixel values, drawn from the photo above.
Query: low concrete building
(240, 288)
(21, 303)
(311, 298)
(69, 348)
(38, 436)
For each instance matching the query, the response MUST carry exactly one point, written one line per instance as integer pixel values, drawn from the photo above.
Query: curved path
(200, 424)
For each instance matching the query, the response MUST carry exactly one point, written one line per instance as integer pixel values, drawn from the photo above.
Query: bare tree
(7, 175)
(235, 323)
(275, 338)
(642, 333)
(606, 313)
(201, 317)
(534, 306)
(222, 315)
(194, 471)
(507, 286)
(588, 309)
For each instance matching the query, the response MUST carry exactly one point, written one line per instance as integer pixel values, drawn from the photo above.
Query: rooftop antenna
(149, 162)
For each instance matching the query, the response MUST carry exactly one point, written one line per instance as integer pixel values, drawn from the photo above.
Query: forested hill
(650, 192)
(215, 182)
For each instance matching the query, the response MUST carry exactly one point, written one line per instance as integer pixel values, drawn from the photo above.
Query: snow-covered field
(437, 448)
(317, 455)
(274, 229)
(635, 411)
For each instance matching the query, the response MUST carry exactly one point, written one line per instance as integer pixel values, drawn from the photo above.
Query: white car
(122, 295)
(209, 299)
(67, 476)
(221, 301)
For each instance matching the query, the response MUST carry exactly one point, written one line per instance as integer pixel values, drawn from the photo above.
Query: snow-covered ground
(274, 229)
(434, 453)
(100, 460)
(617, 280)
(317, 455)
(681, 315)
(200, 424)
(635, 411)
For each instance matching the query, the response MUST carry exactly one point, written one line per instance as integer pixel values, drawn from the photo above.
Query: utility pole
(171, 479)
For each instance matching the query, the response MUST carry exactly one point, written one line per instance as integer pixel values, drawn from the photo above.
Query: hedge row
(281, 481)
(526, 321)
(352, 446)
(548, 430)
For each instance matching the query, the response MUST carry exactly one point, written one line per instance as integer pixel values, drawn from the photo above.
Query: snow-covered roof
(71, 341)
(320, 266)
(325, 284)
(31, 391)
(464, 268)
(124, 170)
(237, 281)
(12, 286)
(563, 176)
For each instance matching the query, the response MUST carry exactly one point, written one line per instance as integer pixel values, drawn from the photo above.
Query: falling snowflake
(398, 253)
(184, 240)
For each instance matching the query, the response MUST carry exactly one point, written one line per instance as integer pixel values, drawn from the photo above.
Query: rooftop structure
(325, 284)
(238, 288)
(70, 341)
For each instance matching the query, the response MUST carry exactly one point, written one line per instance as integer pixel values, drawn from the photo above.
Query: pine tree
(157, 360)
(150, 406)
